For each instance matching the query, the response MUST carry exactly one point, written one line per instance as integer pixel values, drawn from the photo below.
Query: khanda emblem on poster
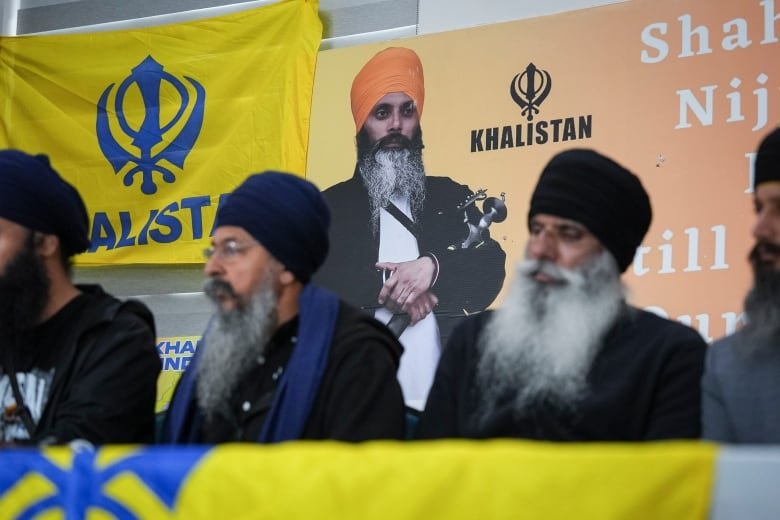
(529, 89)
(157, 137)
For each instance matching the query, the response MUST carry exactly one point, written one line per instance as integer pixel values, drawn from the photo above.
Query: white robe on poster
(421, 341)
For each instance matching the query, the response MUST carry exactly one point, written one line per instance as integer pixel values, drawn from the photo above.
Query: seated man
(75, 363)
(741, 383)
(565, 358)
(282, 359)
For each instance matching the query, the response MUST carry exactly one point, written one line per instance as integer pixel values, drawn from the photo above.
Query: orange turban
(394, 69)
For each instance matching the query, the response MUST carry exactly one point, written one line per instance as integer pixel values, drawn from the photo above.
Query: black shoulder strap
(401, 217)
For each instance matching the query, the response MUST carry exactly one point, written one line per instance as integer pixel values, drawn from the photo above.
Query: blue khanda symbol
(88, 487)
(149, 77)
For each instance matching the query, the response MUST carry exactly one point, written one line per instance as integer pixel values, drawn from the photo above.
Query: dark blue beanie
(33, 195)
(286, 214)
(589, 188)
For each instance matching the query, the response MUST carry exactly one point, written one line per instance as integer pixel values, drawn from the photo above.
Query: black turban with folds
(33, 195)
(768, 159)
(286, 214)
(589, 188)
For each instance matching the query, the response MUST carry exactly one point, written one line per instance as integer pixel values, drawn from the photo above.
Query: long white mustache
(539, 346)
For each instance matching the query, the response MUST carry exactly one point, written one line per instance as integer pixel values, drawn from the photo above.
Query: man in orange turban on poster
(397, 234)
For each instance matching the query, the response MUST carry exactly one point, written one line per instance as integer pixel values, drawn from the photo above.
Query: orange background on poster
(697, 177)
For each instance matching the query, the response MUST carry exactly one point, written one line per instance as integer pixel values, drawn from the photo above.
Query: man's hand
(421, 307)
(406, 288)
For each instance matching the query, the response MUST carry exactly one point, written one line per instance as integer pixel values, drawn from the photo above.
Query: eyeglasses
(227, 251)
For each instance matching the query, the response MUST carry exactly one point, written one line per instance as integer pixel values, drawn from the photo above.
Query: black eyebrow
(228, 239)
(561, 225)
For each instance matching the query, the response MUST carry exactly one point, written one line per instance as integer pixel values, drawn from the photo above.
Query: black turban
(33, 195)
(768, 159)
(589, 188)
(286, 214)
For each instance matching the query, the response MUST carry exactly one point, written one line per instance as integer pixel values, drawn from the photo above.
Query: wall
(174, 293)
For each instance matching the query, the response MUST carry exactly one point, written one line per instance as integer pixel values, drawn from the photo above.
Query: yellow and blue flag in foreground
(324, 480)
(153, 126)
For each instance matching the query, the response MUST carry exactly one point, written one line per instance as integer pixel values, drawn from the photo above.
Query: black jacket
(643, 385)
(105, 380)
(469, 279)
(358, 399)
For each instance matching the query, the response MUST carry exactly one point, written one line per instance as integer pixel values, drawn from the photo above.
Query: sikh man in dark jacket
(566, 358)
(75, 362)
(282, 359)
(741, 382)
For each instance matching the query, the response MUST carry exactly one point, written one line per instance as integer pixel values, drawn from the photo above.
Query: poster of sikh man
(410, 248)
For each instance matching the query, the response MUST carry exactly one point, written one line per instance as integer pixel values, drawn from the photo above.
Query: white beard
(389, 173)
(232, 345)
(541, 343)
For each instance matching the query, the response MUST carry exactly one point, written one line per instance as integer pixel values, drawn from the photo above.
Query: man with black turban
(398, 233)
(75, 362)
(282, 359)
(741, 383)
(565, 358)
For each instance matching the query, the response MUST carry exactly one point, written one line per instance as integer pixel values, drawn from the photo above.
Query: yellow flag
(153, 126)
(453, 480)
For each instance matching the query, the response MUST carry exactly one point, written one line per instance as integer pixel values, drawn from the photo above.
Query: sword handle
(398, 324)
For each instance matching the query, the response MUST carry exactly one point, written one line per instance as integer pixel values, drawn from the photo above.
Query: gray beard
(390, 173)
(762, 307)
(232, 345)
(540, 345)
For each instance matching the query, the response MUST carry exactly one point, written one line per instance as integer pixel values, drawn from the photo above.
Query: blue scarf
(300, 383)
(318, 311)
